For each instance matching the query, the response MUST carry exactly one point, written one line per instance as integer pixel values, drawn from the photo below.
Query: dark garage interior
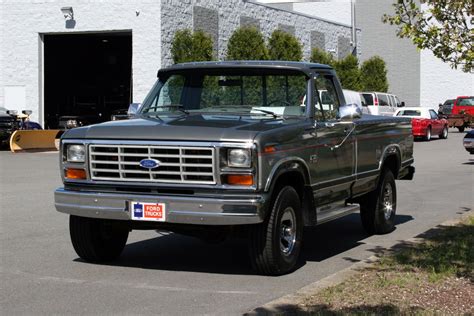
(87, 77)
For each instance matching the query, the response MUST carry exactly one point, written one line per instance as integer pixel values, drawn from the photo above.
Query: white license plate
(144, 211)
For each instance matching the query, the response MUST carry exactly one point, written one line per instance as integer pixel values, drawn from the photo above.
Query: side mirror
(402, 104)
(27, 112)
(133, 109)
(349, 112)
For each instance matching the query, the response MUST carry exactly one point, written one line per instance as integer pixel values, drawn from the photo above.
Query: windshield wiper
(268, 112)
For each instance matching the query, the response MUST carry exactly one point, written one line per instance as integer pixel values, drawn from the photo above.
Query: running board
(328, 213)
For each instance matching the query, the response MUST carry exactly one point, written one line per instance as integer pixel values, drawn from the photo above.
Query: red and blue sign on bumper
(141, 211)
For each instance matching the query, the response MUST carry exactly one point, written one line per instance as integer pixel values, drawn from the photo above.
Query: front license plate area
(144, 211)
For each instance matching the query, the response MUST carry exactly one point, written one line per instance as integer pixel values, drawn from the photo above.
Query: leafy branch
(442, 26)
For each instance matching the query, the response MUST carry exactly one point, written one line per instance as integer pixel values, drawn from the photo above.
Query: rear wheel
(96, 240)
(428, 134)
(444, 133)
(275, 244)
(378, 208)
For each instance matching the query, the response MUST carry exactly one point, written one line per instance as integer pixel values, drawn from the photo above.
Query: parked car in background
(464, 104)
(425, 122)
(468, 142)
(446, 107)
(459, 112)
(380, 103)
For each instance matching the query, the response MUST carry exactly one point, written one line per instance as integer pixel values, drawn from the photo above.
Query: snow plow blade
(35, 140)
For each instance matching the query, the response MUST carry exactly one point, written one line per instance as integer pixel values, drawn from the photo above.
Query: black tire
(444, 133)
(377, 210)
(275, 244)
(428, 134)
(96, 240)
(461, 129)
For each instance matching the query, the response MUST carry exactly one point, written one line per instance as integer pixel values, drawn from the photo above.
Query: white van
(380, 103)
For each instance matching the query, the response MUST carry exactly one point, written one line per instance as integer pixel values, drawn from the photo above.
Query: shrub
(247, 43)
(320, 56)
(190, 46)
(374, 75)
(284, 46)
(348, 72)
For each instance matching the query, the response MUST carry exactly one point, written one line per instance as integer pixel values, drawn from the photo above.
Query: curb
(279, 305)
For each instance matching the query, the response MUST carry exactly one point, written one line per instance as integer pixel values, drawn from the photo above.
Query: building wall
(181, 14)
(440, 82)
(400, 55)
(23, 21)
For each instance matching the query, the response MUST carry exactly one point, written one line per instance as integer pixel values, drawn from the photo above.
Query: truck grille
(176, 164)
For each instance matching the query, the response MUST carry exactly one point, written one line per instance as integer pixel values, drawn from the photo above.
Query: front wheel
(96, 240)
(275, 244)
(378, 208)
(461, 129)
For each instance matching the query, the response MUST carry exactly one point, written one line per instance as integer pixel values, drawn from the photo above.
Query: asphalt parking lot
(173, 274)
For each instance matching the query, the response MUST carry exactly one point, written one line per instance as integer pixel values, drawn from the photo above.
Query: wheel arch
(294, 172)
(391, 159)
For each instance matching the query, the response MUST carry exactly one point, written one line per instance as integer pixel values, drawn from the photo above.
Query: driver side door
(334, 145)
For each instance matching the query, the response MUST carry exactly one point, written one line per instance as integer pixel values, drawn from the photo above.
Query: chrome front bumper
(180, 210)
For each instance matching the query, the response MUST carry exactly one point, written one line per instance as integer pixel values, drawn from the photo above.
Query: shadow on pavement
(176, 252)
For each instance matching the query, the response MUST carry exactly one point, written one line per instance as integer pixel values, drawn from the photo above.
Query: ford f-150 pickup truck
(244, 147)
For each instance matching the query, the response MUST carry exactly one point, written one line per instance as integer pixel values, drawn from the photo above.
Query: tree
(247, 43)
(373, 75)
(442, 26)
(284, 46)
(348, 72)
(188, 46)
(320, 56)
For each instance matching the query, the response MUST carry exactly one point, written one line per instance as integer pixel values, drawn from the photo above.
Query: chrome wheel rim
(445, 132)
(287, 231)
(387, 201)
(428, 134)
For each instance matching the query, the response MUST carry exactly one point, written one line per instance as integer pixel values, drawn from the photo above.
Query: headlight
(239, 158)
(76, 153)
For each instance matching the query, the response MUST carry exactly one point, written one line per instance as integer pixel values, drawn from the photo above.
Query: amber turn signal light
(240, 179)
(75, 174)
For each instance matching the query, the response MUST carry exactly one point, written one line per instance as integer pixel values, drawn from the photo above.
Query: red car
(463, 104)
(425, 122)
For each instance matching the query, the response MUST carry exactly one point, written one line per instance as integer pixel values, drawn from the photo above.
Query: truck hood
(193, 127)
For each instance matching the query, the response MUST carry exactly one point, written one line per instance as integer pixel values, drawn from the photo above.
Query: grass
(434, 276)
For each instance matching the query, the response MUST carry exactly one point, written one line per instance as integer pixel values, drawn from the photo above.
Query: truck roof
(304, 67)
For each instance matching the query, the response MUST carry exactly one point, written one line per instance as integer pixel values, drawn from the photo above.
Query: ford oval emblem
(149, 163)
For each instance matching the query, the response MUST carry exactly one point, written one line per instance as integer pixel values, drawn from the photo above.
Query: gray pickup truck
(244, 148)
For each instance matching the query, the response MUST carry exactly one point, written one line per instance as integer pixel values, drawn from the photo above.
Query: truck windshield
(242, 94)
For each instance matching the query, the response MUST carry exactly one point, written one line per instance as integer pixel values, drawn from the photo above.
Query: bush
(188, 46)
(373, 75)
(320, 56)
(247, 43)
(348, 72)
(284, 46)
